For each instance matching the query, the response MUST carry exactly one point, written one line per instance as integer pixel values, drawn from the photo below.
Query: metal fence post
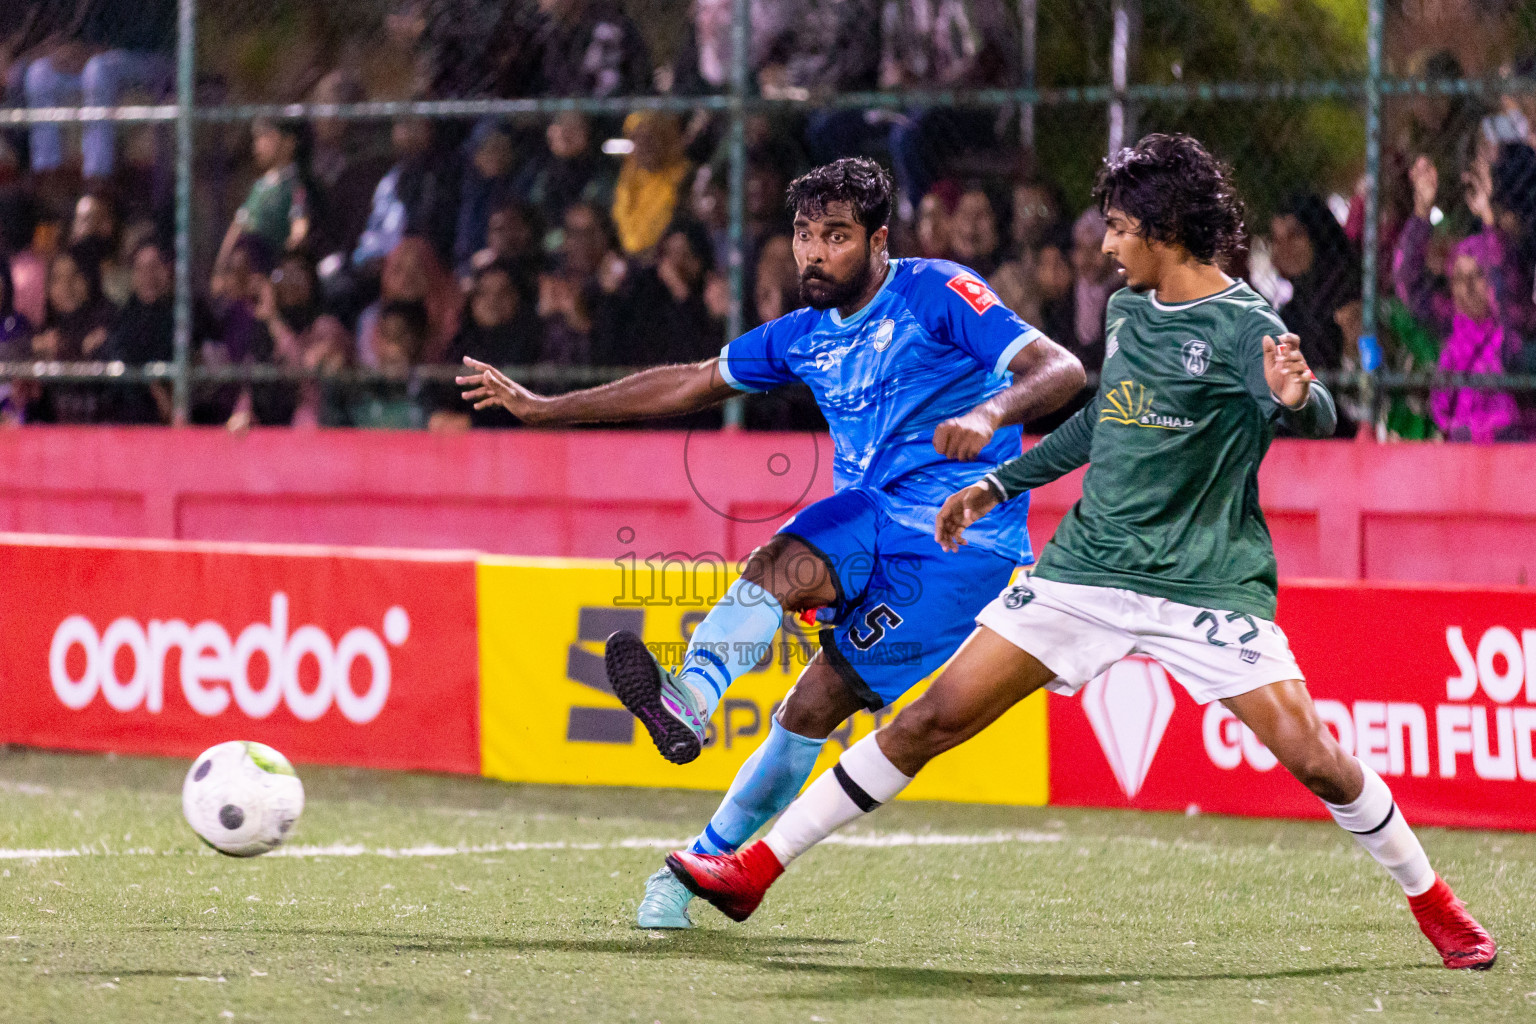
(741, 67)
(1029, 23)
(185, 82)
(1370, 348)
(1119, 75)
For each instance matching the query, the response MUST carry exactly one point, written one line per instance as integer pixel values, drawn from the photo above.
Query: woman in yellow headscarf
(650, 180)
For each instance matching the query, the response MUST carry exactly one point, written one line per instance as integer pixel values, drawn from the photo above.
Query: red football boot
(1444, 920)
(733, 882)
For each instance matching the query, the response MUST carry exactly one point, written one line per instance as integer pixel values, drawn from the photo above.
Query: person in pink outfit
(1470, 315)
(1476, 344)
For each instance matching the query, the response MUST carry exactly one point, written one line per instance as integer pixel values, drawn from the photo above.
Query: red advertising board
(1433, 687)
(339, 657)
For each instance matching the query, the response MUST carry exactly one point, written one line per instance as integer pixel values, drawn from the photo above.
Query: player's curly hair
(855, 180)
(1180, 192)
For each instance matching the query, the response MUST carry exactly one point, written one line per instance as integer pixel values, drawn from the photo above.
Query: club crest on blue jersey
(883, 335)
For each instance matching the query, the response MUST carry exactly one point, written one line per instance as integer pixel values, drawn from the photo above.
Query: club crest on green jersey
(1130, 405)
(1197, 356)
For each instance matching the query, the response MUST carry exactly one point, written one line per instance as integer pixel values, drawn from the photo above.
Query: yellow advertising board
(546, 714)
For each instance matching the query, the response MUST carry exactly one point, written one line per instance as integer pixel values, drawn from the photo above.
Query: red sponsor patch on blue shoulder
(974, 291)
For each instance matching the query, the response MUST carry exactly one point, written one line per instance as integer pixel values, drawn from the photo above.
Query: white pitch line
(358, 850)
(36, 854)
(885, 839)
(881, 840)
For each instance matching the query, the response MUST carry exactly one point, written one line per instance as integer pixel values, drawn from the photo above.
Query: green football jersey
(1173, 440)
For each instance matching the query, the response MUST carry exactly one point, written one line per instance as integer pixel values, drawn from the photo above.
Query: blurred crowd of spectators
(590, 241)
(1459, 244)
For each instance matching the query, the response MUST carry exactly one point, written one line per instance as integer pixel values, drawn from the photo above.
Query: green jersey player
(1167, 553)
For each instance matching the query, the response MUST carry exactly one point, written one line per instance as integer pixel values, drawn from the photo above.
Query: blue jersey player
(921, 374)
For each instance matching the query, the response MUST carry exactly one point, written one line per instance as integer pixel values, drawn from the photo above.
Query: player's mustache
(814, 275)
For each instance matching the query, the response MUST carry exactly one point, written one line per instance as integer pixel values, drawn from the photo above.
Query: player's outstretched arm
(1058, 453)
(1306, 407)
(661, 391)
(1045, 377)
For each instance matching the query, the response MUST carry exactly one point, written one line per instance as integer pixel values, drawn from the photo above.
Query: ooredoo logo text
(126, 664)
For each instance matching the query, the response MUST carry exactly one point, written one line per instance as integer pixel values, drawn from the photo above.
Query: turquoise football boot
(665, 904)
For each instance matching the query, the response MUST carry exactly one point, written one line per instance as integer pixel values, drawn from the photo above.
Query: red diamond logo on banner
(1129, 707)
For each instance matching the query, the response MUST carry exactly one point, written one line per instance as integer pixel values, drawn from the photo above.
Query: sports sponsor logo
(1197, 357)
(548, 714)
(1113, 344)
(974, 291)
(831, 358)
(216, 670)
(1433, 688)
(1130, 405)
(336, 657)
(1129, 707)
(1396, 737)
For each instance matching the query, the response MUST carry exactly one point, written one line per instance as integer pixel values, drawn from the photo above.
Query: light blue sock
(730, 640)
(766, 784)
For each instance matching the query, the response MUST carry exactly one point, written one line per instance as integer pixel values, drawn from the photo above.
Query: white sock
(1380, 827)
(862, 780)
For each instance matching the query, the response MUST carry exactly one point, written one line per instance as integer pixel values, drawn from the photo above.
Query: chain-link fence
(224, 213)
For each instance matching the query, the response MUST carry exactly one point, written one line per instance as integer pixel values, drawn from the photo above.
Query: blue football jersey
(934, 343)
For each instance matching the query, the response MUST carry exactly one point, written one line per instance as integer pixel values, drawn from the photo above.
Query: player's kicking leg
(782, 575)
(905, 607)
(990, 674)
(766, 784)
(1284, 719)
(987, 677)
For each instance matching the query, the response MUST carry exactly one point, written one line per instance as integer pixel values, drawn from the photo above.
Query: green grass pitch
(414, 898)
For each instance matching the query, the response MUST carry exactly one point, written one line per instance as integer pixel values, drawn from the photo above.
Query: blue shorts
(904, 604)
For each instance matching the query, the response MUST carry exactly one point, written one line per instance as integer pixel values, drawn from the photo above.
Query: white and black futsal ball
(242, 798)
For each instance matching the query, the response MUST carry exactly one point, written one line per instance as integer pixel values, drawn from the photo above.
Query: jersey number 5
(878, 619)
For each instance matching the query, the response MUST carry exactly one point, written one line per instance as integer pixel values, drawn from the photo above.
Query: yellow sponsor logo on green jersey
(1130, 404)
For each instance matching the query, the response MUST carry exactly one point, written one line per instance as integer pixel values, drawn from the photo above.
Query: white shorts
(1079, 631)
